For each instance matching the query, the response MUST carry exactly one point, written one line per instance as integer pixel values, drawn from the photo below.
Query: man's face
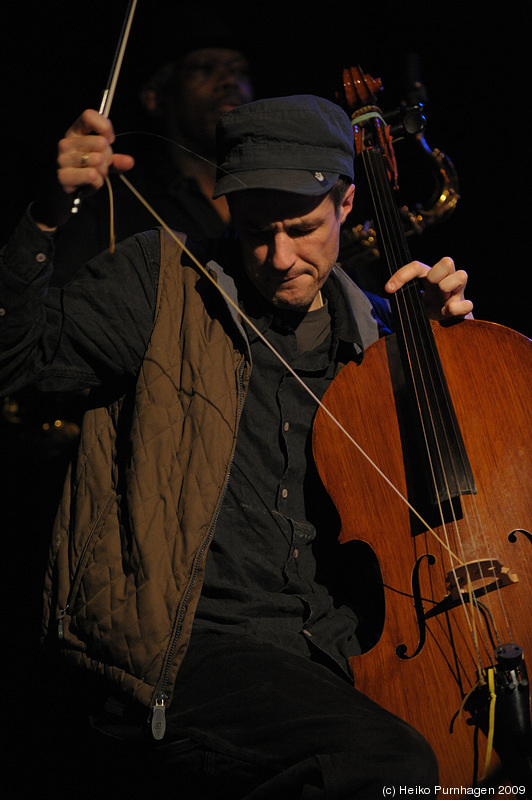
(289, 243)
(209, 82)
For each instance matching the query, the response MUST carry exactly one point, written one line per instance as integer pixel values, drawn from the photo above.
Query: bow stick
(109, 91)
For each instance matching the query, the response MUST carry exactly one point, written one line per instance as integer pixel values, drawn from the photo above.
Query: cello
(434, 483)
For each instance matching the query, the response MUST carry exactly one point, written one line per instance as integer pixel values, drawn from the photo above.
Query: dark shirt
(261, 576)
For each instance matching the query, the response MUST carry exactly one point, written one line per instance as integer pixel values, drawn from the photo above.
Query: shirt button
(286, 426)
(296, 552)
(284, 493)
(40, 257)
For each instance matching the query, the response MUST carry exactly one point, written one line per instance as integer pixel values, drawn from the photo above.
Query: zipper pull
(59, 619)
(158, 718)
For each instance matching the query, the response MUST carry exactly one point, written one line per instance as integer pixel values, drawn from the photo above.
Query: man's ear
(347, 203)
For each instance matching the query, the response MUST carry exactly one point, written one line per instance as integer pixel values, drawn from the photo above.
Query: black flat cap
(298, 144)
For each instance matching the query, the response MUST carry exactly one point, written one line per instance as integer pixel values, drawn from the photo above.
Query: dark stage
(56, 59)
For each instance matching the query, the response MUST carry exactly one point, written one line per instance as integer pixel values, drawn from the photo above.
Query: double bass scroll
(432, 191)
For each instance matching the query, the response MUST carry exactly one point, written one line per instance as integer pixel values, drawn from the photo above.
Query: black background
(473, 64)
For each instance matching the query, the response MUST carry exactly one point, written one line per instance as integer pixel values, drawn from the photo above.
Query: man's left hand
(443, 288)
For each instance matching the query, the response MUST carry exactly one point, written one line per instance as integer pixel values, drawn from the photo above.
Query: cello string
(376, 178)
(487, 567)
(468, 589)
(379, 188)
(472, 519)
(373, 164)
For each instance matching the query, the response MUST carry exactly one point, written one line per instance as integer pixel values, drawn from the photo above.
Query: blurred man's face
(208, 83)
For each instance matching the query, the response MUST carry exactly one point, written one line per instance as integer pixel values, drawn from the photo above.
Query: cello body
(438, 625)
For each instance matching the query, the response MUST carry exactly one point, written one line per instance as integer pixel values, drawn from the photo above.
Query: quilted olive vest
(138, 510)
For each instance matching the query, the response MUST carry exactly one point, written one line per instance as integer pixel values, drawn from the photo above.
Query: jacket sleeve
(93, 330)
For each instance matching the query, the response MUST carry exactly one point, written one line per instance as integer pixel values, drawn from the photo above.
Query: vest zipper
(158, 717)
(61, 614)
(73, 589)
(158, 710)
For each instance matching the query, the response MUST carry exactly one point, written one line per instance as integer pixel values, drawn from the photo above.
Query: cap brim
(283, 180)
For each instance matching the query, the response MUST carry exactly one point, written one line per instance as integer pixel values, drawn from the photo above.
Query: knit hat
(299, 144)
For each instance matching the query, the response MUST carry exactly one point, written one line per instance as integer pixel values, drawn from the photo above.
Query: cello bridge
(473, 580)
(478, 578)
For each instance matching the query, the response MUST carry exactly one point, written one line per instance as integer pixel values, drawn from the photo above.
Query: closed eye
(295, 233)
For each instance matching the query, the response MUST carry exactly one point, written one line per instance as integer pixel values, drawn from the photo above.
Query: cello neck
(421, 388)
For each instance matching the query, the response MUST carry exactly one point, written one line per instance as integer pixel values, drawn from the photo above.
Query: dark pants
(251, 721)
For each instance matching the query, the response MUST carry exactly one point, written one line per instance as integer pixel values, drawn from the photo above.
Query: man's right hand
(85, 157)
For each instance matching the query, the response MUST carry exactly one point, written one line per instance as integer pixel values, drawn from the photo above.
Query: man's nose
(224, 74)
(282, 252)
(227, 76)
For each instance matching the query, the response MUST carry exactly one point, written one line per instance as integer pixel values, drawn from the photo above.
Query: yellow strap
(491, 727)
